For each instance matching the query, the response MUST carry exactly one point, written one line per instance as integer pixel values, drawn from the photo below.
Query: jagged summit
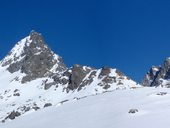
(158, 75)
(33, 57)
(34, 44)
(151, 76)
(36, 38)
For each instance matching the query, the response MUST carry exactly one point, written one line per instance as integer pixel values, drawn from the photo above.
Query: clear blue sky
(129, 35)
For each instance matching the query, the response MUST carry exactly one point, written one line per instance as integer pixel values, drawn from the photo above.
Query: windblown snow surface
(107, 110)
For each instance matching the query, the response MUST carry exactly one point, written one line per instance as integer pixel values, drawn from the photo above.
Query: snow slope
(107, 110)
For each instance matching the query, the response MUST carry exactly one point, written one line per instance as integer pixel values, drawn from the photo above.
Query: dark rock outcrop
(161, 93)
(47, 105)
(132, 111)
(157, 75)
(88, 80)
(151, 76)
(13, 115)
(77, 74)
(105, 71)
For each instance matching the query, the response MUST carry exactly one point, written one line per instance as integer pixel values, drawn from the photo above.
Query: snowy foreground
(108, 110)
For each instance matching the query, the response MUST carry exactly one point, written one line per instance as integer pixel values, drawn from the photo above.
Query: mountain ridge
(34, 77)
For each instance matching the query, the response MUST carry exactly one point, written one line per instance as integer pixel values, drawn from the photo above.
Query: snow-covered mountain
(158, 75)
(33, 77)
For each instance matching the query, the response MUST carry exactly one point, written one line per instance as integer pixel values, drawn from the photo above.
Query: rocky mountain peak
(105, 71)
(166, 63)
(151, 76)
(33, 57)
(36, 38)
(158, 75)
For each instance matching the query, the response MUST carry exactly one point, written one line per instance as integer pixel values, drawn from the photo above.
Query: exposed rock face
(104, 71)
(13, 115)
(33, 57)
(151, 76)
(47, 105)
(82, 76)
(158, 76)
(89, 79)
(77, 74)
(132, 111)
